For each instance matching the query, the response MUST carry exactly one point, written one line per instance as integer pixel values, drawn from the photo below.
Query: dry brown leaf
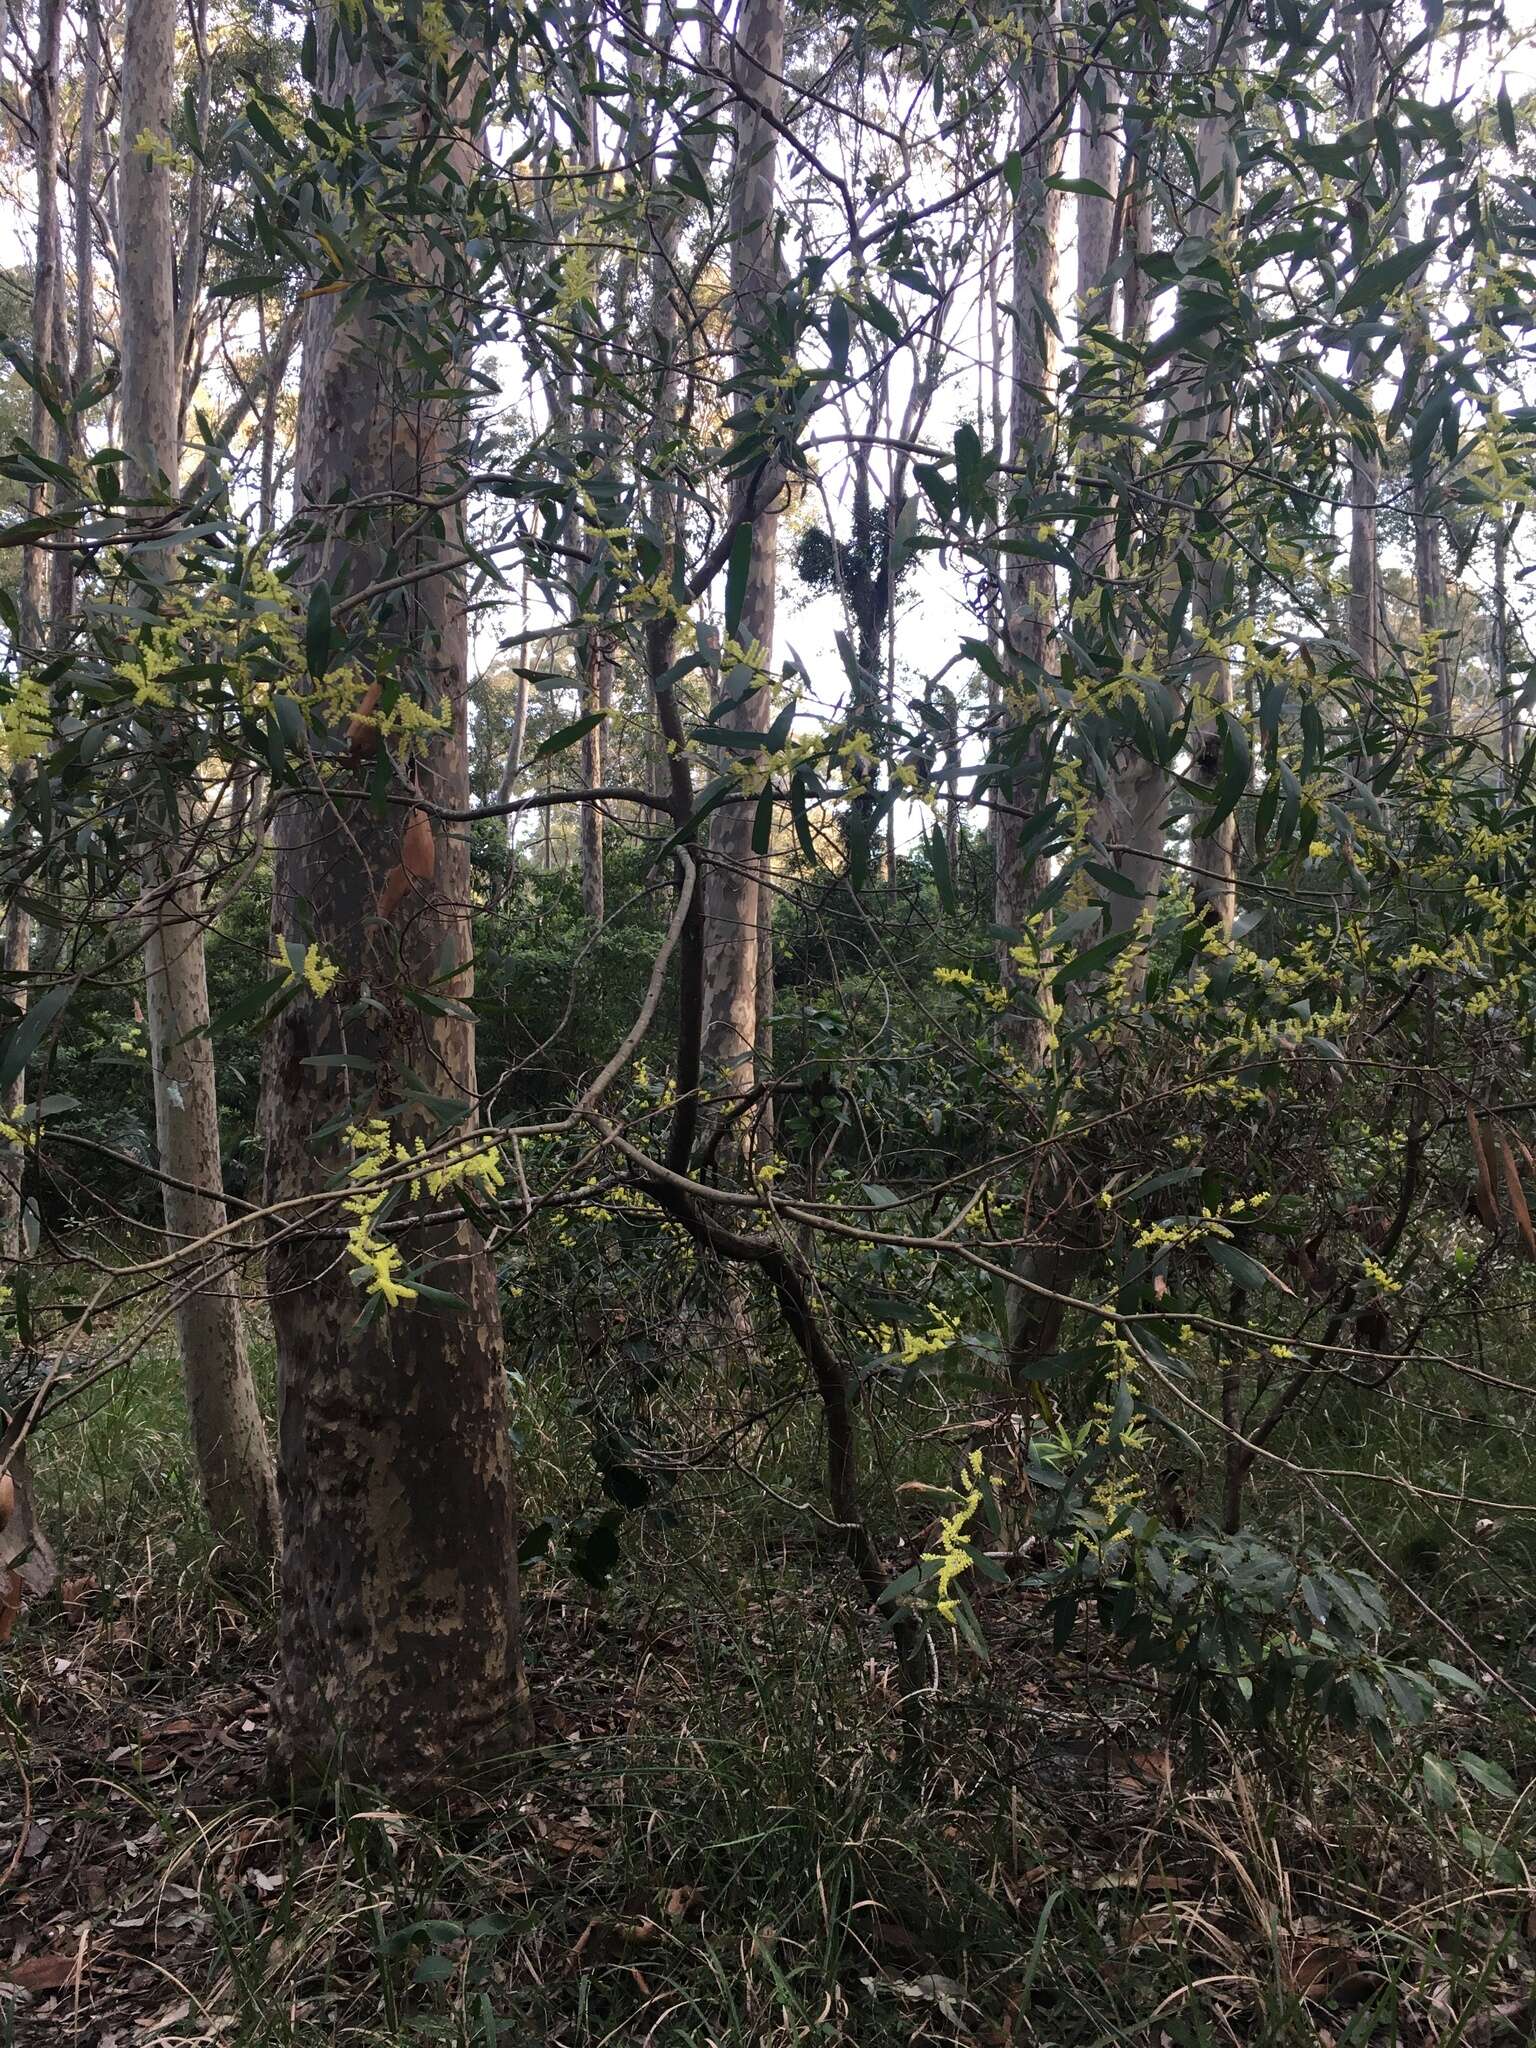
(1517, 1203)
(1487, 1203)
(363, 730)
(1321, 1970)
(41, 1973)
(169, 1730)
(418, 849)
(10, 1601)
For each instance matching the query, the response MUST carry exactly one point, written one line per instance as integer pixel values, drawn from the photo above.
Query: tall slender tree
(733, 925)
(1363, 45)
(1029, 584)
(229, 1438)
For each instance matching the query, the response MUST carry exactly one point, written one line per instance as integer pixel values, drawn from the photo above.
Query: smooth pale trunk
(596, 698)
(1029, 602)
(1364, 611)
(34, 592)
(399, 1574)
(735, 926)
(1509, 716)
(1095, 295)
(1434, 611)
(233, 1461)
(1029, 585)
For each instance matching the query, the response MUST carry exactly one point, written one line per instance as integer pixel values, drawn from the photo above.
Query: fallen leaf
(41, 1973)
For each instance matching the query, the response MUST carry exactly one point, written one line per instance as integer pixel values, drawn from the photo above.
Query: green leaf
(1111, 879)
(762, 823)
(1439, 1783)
(629, 1487)
(436, 1297)
(1245, 1272)
(317, 631)
(1087, 187)
(1236, 766)
(737, 572)
(801, 817)
(1488, 1777)
(938, 860)
(1452, 1676)
(31, 1031)
(1092, 958)
(267, 129)
(1506, 114)
(595, 1551)
(568, 735)
(1376, 283)
(252, 1004)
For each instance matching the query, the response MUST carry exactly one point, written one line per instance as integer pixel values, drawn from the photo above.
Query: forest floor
(715, 1839)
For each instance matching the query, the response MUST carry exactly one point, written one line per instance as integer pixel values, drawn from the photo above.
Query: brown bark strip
(1517, 1203)
(1487, 1201)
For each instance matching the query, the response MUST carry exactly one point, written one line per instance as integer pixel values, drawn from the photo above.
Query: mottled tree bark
(229, 1440)
(733, 908)
(399, 1574)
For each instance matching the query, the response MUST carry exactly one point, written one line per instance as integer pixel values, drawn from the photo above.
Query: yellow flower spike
(321, 973)
(26, 724)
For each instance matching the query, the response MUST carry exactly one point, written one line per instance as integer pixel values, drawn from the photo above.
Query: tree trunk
(1364, 456)
(1207, 412)
(1509, 717)
(733, 908)
(47, 283)
(233, 1461)
(589, 652)
(1029, 585)
(399, 1577)
(1095, 297)
(1434, 614)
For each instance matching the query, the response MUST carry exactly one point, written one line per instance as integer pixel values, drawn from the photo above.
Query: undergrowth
(721, 1836)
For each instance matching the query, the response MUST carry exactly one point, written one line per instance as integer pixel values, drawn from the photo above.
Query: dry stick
(787, 1280)
(647, 1011)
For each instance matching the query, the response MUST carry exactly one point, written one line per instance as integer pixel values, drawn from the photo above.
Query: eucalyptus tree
(233, 1459)
(735, 939)
(399, 1563)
